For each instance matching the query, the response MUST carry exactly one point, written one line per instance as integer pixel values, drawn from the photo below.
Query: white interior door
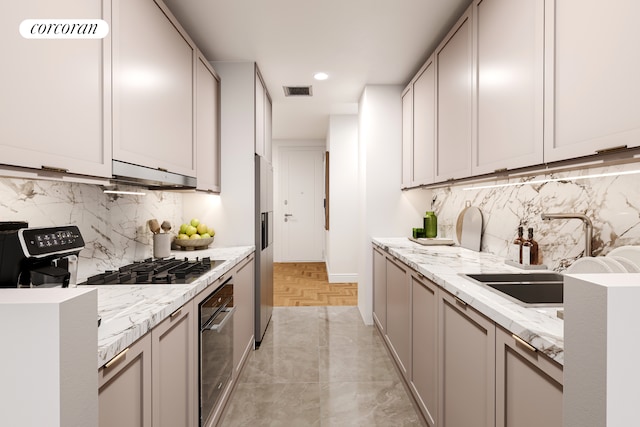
(301, 202)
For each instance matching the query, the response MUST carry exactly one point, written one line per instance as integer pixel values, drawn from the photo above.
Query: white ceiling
(357, 42)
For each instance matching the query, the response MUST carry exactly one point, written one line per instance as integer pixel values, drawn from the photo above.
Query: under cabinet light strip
(542, 181)
(132, 193)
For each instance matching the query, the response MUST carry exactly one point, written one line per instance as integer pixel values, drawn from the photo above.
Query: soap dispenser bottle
(517, 246)
(530, 250)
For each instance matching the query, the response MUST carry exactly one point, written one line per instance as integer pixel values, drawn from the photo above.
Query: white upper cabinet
(263, 112)
(268, 117)
(592, 87)
(207, 126)
(153, 80)
(407, 136)
(56, 95)
(509, 53)
(424, 125)
(259, 108)
(454, 83)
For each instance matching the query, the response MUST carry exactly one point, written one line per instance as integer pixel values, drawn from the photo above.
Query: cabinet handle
(163, 170)
(500, 170)
(460, 302)
(524, 343)
(609, 150)
(53, 169)
(116, 358)
(176, 313)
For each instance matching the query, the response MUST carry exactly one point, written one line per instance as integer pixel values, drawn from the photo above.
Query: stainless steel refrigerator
(264, 246)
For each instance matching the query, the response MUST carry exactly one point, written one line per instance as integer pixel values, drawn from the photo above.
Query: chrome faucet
(588, 226)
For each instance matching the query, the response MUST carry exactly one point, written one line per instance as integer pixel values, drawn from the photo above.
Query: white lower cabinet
(528, 385)
(424, 349)
(467, 365)
(380, 290)
(243, 320)
(462, 369)
(124, 387)
(173, 371)
(398, 315)
(154, 381)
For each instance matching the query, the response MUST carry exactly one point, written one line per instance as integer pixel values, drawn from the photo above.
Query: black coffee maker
(38, 257)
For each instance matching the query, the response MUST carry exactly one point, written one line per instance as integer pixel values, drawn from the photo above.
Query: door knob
(286, 217)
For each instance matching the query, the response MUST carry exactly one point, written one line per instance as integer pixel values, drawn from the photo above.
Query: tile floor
(320, 366)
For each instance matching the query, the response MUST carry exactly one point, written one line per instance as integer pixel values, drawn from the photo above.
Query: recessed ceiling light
(321, 76)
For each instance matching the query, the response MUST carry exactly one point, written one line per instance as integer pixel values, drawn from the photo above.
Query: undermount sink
(528, 289)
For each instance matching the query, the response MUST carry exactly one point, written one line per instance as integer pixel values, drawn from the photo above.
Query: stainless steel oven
(216, 347)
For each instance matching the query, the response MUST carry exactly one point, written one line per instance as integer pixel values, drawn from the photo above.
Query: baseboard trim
(343, 278)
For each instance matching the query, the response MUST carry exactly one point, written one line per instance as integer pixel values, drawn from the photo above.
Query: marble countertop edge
(444, 265)
(130, 311)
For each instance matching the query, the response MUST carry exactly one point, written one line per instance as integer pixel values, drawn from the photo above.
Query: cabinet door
(153, 74)
(380, 290)
(424, 125)
(592, 87)
(407, 137)
(173, 345)
(243, 318)
(509, 97)
(528, 385)
(467, 365)
(124, 387)
(424, 349)
(454, 77)
(207, 126)
(56, 94)
(268, 117)
(398, 315)
(259, 109)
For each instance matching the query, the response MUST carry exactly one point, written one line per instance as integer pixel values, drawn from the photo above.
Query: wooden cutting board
(471, 228)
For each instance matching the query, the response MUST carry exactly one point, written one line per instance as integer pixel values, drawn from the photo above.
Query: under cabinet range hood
(154, 179)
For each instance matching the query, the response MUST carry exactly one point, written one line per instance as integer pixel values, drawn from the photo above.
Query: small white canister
(162, 245)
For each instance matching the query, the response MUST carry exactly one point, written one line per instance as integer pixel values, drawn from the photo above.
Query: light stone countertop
(539, 326)
(130, 311)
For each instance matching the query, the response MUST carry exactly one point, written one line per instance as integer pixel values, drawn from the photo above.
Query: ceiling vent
(297, 91)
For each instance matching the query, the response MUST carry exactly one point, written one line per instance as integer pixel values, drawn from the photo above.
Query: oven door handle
(217, 327)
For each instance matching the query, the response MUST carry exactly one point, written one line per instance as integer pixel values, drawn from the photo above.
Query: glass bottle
(530, 250)
(517, 246)
(430, 224)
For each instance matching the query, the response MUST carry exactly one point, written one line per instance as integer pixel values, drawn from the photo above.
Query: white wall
(384, 210)
(232, 213)
(342, 237)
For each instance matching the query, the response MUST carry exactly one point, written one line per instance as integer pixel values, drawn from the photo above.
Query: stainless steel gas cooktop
(166, 271)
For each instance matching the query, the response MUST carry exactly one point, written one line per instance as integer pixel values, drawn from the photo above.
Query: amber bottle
(530, 250)
(517, 246)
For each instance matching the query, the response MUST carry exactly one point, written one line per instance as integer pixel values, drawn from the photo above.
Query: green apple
(205, 235)
(191, 230)
(183, 228)
(195, 222)
(195, 236)
(211, 231)
(183, 236)
(202, 228)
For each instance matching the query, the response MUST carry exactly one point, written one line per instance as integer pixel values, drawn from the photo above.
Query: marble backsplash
(114, 227)
(611, 202)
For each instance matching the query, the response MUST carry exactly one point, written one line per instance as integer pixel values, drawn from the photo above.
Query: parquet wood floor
(306, 284)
